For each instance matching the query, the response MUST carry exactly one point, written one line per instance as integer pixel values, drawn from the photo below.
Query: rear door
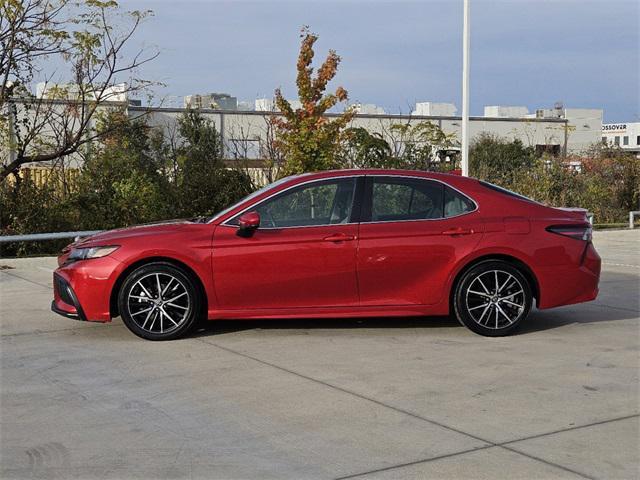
(412, 233)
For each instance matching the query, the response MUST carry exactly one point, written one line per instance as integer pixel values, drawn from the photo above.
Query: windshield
(249, 197)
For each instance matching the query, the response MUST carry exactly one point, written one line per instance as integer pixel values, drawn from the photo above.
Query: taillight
(579, 232)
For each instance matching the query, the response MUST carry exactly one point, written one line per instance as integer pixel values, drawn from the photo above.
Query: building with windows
(222, 101)
(246, 132)
(623, 135)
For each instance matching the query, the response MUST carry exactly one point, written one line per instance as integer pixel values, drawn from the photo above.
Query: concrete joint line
(26, 280)
(44, 332)
(488, 443)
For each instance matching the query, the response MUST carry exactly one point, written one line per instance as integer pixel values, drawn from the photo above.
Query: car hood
(113, 236)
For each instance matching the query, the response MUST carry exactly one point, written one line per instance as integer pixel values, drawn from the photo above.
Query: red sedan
(352, 243)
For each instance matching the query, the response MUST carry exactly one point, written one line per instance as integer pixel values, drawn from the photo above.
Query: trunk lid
(576, 213)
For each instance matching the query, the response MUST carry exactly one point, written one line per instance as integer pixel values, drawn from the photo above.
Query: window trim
(505, 191)
(445, 184)
(359, 198)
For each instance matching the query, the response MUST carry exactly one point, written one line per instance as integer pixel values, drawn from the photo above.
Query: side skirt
(329, 312)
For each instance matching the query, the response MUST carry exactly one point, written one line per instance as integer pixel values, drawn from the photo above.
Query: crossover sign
(615, 128)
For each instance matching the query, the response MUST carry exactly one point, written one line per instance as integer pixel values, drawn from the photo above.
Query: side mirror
(248, 223)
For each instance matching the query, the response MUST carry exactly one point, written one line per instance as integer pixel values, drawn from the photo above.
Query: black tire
(489, 310)
(176, 309)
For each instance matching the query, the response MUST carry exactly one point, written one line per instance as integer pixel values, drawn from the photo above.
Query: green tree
(416, 145)
(363, 149)
(498, 160)
(121, 181)
(308, 139)
(203, 186)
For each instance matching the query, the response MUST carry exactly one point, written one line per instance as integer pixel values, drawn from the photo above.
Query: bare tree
(89, 38)
(256, 155)
(270, 151)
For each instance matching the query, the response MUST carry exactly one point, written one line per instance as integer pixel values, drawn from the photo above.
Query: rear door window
(395, 199)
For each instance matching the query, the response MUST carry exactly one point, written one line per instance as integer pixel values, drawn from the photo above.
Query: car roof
(444, 177)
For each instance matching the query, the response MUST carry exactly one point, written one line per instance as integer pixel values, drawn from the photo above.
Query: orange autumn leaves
(307, 139)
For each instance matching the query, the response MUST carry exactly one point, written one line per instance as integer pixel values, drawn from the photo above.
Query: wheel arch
(113, 298)
(514, 261)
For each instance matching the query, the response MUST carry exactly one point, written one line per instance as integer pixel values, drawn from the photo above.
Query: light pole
(465, 90)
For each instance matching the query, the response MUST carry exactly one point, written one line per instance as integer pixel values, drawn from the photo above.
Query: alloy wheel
(495, 299)
(159, 303)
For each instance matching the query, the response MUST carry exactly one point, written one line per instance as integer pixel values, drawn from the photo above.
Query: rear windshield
(504, 191)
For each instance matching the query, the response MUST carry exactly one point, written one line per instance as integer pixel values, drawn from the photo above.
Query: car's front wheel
(492, 298)
(159, 301)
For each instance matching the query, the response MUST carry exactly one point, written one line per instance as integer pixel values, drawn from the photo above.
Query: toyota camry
(348, 243)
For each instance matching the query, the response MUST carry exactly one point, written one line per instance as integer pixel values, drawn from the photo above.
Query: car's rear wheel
(159, 301)
(492, 298)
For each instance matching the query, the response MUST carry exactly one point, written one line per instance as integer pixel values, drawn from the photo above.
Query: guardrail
(37, 237)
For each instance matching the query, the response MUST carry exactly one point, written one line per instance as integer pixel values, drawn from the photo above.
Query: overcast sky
(524, 52)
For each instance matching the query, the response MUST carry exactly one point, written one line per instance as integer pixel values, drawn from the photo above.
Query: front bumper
(65, 302)
(82, 289)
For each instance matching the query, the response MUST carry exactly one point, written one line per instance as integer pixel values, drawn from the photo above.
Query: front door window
(320, 203)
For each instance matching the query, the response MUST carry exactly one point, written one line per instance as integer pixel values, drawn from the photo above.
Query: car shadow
(217, 327)
(601, 310)
(538, 320)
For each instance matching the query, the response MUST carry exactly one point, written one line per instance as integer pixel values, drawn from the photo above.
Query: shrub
(203, 186)
(125, 180)
(120, 183)
(498, 160)
(607, 183)
(28, 208)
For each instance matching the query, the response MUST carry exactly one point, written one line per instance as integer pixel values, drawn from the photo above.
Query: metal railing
(37, 237)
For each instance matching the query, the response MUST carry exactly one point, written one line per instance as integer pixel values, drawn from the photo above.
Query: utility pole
(465, 90)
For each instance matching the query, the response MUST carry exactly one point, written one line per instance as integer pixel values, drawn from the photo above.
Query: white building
(264, 105)
(71, 91)
(623, 135)
(219, 101)
(368, 109)
(432, 109)
(269, 105)
(502, 111)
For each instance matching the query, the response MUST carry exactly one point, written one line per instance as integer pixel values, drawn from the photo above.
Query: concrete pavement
(324, 399)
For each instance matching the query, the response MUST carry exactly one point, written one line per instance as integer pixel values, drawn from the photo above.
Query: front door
(303, 255)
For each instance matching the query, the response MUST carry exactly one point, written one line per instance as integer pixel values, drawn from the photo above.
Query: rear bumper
(569, 284)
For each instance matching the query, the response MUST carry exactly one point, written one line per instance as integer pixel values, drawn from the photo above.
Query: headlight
(91, 252)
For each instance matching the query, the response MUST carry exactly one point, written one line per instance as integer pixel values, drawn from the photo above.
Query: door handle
(339, 237)
(458, 231)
